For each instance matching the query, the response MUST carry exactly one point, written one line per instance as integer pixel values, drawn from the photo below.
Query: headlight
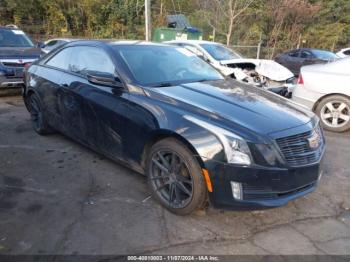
(236, 149)
(237, 152)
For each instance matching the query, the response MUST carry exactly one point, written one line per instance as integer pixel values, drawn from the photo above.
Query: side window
(61, 59)
(347, 52)
(51, 43)
(294, 54)
(86, 58)
(305, 54)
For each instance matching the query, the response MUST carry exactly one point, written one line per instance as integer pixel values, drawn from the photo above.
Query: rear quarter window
(61, 59)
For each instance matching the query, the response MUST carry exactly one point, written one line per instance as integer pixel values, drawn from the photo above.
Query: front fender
(160, 120)
(206, 145)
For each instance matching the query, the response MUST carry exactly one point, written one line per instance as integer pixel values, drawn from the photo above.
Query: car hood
(267, 68)
(240, 104)
(19, 52)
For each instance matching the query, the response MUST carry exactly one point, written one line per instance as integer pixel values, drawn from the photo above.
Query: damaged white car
(266, 74)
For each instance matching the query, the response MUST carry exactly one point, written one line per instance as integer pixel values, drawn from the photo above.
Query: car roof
(313, 49)
(114, 42)
(10, 28)
(198, 42)
(133, 42)
(308, 49)
(64, 39)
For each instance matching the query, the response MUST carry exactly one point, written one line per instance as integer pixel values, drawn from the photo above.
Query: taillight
(300, 80)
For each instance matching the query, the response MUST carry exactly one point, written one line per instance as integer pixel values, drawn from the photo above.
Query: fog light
(237, 190)
(320, 176)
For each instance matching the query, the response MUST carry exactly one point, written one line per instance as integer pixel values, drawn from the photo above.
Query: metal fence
(250, 51)
(256, 51)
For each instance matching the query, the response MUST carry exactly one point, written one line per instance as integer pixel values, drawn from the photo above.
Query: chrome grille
(297, 151)
(13, 64)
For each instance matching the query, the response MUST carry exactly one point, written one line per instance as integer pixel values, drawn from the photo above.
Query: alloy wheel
(170, 179)
(335, 114)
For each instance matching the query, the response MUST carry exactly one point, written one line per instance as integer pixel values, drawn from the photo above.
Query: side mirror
(104, 79)
(206, 59)
(40, 45)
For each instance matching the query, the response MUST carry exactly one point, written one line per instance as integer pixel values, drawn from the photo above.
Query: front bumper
(6, 82)
(11, 76)
(261, 187)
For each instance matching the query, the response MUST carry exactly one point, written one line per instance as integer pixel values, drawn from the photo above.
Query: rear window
(14, 38)
(324, 55)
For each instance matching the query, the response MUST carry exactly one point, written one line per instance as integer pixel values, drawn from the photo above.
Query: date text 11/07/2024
(173, 258)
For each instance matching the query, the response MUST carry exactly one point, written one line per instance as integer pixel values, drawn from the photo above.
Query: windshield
(220, 52)
(325, 55)
(14, 38)
(165, 65)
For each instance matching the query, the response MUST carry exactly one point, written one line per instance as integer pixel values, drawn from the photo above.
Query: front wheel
(334, 112)
(175, 177)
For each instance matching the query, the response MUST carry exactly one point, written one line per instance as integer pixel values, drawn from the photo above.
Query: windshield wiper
(204, 80)
(163, 84)
(167, 84)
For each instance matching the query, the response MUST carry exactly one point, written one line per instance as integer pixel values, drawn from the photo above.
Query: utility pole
(259, 47)
(148, 20)
(299, 41)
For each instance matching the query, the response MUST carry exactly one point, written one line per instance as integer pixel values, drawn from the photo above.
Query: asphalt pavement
(58, 197)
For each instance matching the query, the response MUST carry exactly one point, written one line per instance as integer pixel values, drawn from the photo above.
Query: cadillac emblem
(314, 140)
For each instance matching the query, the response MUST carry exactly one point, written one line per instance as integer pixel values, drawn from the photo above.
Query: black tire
(334, 107)
(184, 171)
(37, 115)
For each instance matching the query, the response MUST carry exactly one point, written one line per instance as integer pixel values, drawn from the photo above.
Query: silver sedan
(54, 43)
(325, 89)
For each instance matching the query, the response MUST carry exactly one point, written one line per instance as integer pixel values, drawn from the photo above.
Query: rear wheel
(37, 115)
(334, 112)
(175, 177)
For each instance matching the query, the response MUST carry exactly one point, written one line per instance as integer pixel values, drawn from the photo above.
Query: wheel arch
(29, 91)
(26, 94)
(326, 96)
(166, 134)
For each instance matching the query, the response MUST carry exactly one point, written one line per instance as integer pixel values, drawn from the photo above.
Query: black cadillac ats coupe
(167, 114)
